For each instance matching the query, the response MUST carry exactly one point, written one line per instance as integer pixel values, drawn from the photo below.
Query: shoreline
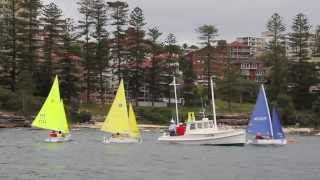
(98, 125)
(153, 127)
(159, 128)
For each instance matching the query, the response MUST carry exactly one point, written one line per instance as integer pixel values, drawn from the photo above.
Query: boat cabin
(203, 126)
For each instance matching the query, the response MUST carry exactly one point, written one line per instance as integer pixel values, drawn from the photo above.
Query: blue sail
(276, 125)
(260, 118)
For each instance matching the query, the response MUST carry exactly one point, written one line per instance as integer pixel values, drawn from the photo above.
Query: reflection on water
(24, 155)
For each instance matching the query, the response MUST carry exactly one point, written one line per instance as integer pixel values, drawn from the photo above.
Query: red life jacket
(53, 134)
(180, 130)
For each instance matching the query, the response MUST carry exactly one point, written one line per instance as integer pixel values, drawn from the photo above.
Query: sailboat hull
(266, 142)
(58, 139)
(224, 138)
(121, 140)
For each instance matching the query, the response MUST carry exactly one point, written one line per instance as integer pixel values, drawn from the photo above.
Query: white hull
(266, 142)
(219, 137)
(121, 140)
(58, 139)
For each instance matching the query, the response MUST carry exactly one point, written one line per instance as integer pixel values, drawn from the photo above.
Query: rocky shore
(233, 119)
(159, 128)
(10, 120)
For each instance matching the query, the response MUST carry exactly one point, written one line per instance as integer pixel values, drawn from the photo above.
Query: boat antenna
(174, 84)
(213, 103)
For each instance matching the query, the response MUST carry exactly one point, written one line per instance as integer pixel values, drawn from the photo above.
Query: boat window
(199, 125)
(192, 126)
(205, 124)
(211, 124)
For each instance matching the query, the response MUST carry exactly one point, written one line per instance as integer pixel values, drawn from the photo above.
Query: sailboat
(267, 131)
(52, 115)
(119, 122)
(205, 131)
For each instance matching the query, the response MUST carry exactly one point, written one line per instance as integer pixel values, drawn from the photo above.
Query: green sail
(52, 114)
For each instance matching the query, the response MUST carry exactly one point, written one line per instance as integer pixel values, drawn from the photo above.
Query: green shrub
(306, 119)
(82, 117)
(154, 115)
(9, 100)
(287, 111)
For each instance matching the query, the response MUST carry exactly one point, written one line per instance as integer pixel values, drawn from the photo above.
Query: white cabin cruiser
(206, 132)
(203, 132)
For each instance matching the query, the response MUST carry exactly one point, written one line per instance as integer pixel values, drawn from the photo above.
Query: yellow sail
(64, 118)
(117, 118)
(191, 117)
(134, 131)
(52, 115)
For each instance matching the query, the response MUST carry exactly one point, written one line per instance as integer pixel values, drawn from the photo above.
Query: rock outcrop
(10, 120)
(233, 119)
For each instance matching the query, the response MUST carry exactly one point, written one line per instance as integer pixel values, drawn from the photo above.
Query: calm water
(23, 155)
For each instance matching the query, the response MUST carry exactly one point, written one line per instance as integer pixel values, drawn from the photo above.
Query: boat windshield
(199, 125)
(192, 126)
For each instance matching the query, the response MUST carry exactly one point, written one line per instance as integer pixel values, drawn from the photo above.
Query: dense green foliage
(276, 56)
(137, 51)
(110, 42)
(301, 71)
(207, 35)
(156, 68)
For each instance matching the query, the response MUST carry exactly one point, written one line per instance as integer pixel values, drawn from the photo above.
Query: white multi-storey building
(257, 45)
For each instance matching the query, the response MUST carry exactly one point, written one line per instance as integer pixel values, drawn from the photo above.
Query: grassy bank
(162, 115)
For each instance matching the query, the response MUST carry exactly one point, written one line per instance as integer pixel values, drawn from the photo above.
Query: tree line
(292, 72)
(37, 42)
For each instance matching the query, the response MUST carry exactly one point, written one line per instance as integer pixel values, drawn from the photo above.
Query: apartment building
(257, 45)
(239, 56)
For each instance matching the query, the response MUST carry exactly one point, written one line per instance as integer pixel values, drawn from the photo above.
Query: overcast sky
(233, 18)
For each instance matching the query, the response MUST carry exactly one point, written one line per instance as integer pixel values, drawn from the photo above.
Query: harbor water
(24, 155)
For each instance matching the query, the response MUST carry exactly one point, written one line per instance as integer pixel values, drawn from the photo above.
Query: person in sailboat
(115, 135)
(53, 134)
(172, 128)
(61, 134)
(180, 130)
(259, 136)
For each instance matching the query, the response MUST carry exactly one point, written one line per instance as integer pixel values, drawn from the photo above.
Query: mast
(176, 99)
(266, 100)
(213, 105)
